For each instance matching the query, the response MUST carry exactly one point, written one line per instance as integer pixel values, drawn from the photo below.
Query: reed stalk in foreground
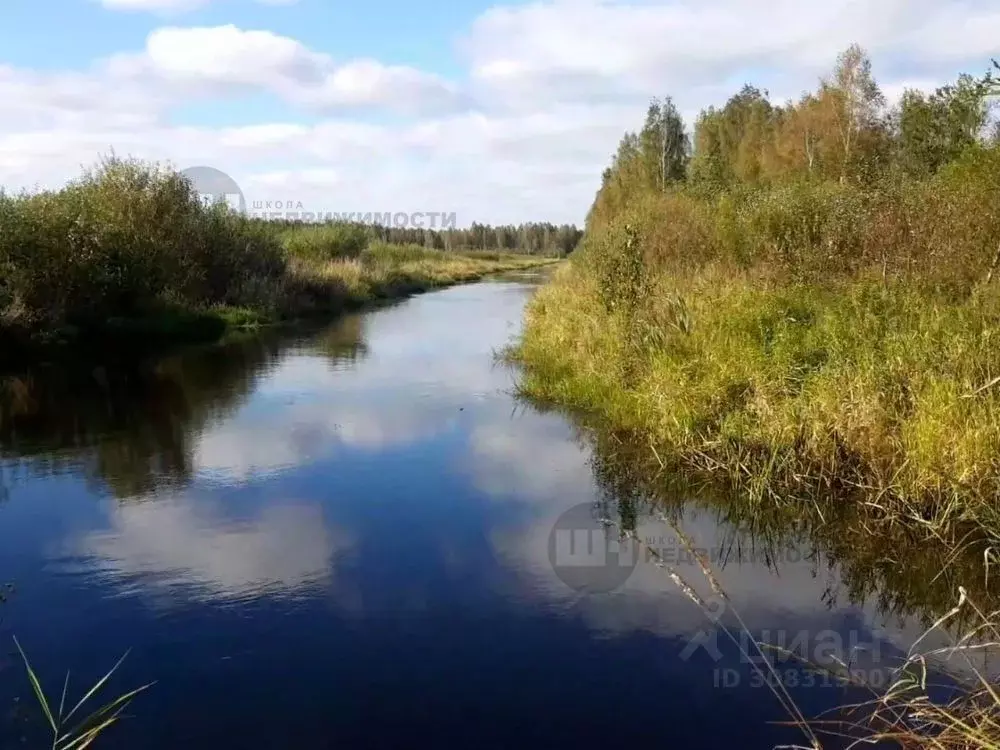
(904, 713)
(81, 734)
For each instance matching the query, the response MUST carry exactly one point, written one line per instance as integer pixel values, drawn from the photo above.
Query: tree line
(533, 238)
(844, 132)
(537, 238)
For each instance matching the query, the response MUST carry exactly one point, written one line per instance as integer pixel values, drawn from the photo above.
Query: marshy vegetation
(798, 310)
(129, 247)
(801, 303)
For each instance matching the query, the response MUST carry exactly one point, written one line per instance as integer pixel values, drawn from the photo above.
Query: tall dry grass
(812, 336)
(806, 340)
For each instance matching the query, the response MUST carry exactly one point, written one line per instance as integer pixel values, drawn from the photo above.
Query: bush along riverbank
(802, 302)
(129, 251)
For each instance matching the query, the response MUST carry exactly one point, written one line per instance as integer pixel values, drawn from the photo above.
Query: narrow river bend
(340, 539)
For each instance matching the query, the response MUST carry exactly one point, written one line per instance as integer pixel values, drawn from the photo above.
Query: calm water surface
(340, 538)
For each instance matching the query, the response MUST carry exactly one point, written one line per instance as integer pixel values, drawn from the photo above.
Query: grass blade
(96, 687)
(89, 736)
(62, 701)
(116, 706)
(37, 687)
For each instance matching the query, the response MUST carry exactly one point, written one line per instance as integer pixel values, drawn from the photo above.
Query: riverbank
(809, 324)
(129, 255)
(882, 392)
(321, 290)
(804, 325)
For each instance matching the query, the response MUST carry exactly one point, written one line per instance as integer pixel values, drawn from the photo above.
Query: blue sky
(393, 31)
(499, 113)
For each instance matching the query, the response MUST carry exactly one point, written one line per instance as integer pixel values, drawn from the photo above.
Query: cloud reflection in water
(186, 548)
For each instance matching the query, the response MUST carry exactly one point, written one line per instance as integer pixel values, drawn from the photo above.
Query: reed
(77, 727)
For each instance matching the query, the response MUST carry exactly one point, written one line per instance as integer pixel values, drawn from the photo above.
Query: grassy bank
(129, 251)
(804, 308)
(799, 329)
(381, 271)
(791, 390)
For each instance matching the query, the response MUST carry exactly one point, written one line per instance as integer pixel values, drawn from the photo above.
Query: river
(343, 537)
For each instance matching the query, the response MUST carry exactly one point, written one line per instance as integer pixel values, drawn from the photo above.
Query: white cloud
(37, 103)
(229, 55)
(174, 6)
(582, 51)
(205, 62)
(524, 134)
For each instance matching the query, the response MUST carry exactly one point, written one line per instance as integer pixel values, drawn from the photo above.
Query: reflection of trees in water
(900, 568)
(621, 497)
(344, 341)
(132, 425)
(127, 425)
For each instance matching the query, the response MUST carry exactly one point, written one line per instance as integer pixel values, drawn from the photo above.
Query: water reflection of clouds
(527, 455)
(187, 547)
(248, 448)
(425, 359)
(538, 462)
(408, 388)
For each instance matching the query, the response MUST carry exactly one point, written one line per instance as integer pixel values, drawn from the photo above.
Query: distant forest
(532, 238)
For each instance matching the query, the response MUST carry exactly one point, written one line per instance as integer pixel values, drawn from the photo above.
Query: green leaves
(66, 736)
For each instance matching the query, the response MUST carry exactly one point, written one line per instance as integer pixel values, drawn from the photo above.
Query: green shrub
(122, 240)
(130, 245)
(617, 261)
(382, 253)
(333, 241)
